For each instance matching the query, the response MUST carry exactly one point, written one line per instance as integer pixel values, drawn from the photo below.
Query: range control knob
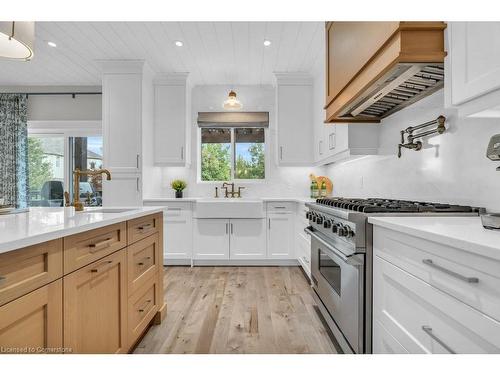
(327, 224)
(334, 228)
(319, 220)
(350, 232)
(341, 230)
(308, 215)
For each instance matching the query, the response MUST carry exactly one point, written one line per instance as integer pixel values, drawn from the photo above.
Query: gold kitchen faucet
(77, 173)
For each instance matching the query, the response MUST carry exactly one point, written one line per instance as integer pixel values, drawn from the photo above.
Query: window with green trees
(232, 154)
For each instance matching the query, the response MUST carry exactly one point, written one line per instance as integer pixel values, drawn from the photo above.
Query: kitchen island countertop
(42, 224)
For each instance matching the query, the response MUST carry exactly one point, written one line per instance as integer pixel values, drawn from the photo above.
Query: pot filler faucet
(77, 173)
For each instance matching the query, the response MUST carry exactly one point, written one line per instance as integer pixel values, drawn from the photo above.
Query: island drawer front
(144, 259)
(425, 320)
(142, 307)
(24, 270)
(87, 247)
(142, 227)
(471, 278)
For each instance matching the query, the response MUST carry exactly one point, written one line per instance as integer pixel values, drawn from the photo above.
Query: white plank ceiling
(213, 52)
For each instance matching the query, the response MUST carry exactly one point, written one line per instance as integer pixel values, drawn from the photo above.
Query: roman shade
(233, 119)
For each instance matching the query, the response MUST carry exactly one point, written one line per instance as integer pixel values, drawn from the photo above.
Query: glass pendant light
(16, 40)
(231, 102)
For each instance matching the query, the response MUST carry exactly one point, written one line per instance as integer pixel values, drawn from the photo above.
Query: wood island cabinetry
(91, 292)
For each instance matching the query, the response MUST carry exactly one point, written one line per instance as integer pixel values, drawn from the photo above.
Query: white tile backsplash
(452, 167)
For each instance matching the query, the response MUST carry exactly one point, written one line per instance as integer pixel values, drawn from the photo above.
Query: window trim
(233, 155)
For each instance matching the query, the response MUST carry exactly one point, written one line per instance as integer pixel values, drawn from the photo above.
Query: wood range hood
(374, 69)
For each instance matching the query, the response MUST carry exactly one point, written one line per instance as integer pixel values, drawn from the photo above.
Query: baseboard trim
(231, 262)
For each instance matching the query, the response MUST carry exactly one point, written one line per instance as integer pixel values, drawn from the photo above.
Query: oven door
(338, 281)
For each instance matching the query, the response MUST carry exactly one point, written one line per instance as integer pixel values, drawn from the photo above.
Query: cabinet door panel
(475, 57)
(124, 190)
(34, 321)
(122, 117)
(280, 235)
(95, 306)
(248, 238)
(144, 261)
(211, 239)
(178, 233)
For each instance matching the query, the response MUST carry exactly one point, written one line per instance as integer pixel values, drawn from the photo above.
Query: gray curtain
(14, 150)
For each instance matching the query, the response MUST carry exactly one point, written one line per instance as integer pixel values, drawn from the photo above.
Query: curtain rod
(73, 94)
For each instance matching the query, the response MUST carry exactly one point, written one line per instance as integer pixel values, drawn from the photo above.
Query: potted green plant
(178, 186)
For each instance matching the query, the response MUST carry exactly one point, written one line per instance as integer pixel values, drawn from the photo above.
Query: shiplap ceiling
(213, 52)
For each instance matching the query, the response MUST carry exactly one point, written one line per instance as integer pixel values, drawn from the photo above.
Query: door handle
(428, 330)
(430, 263)
(100, 245)
(2, 279)
(226, 228)
(137, 161)
(96, 270)
(269, 223)
(137, 184)
(231, 228)
(144, 306)
(182, 152)
(145, 228)
(281, 152)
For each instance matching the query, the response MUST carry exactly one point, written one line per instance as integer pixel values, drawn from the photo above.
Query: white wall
(452, 167)
(64, 108)
(280, 182)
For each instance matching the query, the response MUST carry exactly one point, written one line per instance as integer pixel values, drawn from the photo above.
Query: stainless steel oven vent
(400, 87)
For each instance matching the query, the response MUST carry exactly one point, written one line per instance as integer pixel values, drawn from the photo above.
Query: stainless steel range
(341, 260)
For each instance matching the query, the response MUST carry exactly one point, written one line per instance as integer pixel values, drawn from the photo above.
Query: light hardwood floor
(237, 310)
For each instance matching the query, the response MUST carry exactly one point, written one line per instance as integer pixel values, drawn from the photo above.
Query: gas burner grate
(377, 205)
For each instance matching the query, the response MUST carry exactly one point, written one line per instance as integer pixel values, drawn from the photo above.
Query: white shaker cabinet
(211, 239)
(432, 298)
(126, 105)
(178, 228)
(280, 235)
(294, 118)
(473, 68)
(172, 120)
(248, 238)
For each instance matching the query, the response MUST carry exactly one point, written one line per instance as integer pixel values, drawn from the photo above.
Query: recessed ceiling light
(52, 44)
(178, 43)
(267, 42)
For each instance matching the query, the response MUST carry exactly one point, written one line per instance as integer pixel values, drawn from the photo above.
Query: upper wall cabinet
(172, 108)
(374, 69)
(294, 93)
(473, 68)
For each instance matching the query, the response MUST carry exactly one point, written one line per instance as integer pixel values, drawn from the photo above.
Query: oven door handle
(351, 259)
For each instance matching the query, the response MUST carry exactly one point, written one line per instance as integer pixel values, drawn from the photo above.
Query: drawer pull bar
(2, 279)
(100, 245)
(430, 263)
(428, 330)
(145, 227)
(141, 263)
(95, 270)
(142, 309)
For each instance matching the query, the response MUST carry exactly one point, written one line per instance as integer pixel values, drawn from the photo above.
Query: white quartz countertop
(42, 224)
(265, 199)
(464, 233)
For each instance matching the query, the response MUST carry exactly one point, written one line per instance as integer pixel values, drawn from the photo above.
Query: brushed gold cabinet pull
(2, 279)
(95, 270)
(100, 245)
(142, 309)
(141, 263)
(145, 227)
